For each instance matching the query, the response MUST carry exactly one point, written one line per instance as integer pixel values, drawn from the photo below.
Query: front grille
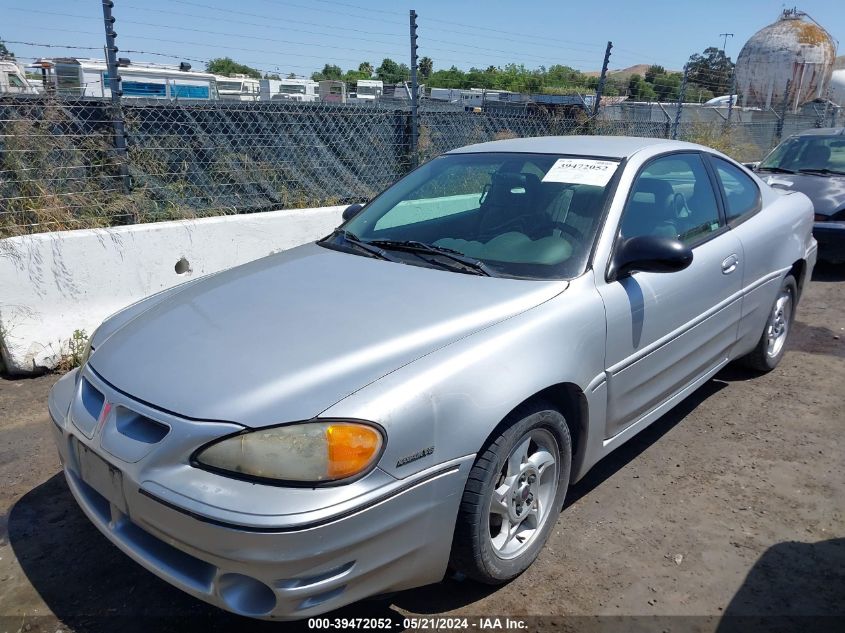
(92, 399)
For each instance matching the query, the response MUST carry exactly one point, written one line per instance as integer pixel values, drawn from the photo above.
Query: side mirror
(751, 166)
(352, 210)
(649, 253)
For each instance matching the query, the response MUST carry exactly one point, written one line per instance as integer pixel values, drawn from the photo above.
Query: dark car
(813, 162)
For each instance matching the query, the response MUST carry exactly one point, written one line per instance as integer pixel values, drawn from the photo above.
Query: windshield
(229, 86)
(521, 215)
(815, 152)
(371, 91)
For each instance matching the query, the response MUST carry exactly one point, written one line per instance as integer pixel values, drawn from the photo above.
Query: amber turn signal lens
(352, 448)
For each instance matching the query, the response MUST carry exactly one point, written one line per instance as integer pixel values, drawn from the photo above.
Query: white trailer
(302, 90)
(78, 77)
(369, 89)
(332, 91)
(472, 97)
(238, 88)
(446, 94)
(13, 79)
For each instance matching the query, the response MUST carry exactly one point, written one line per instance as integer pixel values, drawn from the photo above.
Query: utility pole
(681, 94)
(725, 42)
(602, 78)
(414, 90)
(116, 92)
(782, 115)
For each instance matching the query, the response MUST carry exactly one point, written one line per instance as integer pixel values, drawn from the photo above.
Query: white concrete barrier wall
(52, 284)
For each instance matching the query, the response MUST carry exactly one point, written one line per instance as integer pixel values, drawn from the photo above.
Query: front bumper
(831, 239)
(286, 566)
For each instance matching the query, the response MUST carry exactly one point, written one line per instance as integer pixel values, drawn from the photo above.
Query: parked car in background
(419, 389)
(813, 162)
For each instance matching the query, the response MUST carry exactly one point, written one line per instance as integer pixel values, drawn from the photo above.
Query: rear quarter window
(742, 196)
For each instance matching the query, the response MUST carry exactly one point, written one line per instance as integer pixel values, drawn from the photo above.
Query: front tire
(772, 344)
(513, 496)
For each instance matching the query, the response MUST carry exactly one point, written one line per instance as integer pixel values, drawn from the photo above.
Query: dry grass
(60, 173)
(733, 141)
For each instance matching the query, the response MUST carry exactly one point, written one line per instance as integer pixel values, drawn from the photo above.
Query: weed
(77, 347)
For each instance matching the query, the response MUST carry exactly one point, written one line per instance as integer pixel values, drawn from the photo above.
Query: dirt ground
(733, 503)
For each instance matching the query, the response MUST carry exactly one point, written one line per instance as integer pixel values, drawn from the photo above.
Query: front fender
(446, 404)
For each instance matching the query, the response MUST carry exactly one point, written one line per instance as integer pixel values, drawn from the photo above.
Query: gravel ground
(733, 503)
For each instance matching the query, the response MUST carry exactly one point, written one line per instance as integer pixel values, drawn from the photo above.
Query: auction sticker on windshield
(581, 171)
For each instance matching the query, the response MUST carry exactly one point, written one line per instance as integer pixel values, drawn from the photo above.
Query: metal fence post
(782, 113)
(114, 86)
(414, 91)
(681, 94)
(602, 78)
(731, 97)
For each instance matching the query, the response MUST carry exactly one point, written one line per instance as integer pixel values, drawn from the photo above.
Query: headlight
(310, 452)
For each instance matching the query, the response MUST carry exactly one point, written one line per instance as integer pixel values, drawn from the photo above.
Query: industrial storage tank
(794, 49)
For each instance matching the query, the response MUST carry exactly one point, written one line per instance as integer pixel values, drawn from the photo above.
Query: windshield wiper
(823, 172)
(777, 170)
(468, 264)
(366, 247)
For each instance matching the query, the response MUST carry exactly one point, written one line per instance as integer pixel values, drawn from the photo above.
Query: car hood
(285, 337)
(826, 192)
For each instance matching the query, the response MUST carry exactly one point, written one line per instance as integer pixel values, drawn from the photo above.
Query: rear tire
(772, 345)
(513, 496)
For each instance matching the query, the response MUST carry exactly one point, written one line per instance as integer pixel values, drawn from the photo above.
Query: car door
(666, 330)
(761, 236)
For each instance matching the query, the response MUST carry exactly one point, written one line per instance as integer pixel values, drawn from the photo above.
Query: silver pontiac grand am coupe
(417, 390)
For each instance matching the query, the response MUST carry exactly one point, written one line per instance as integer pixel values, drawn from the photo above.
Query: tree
(291, 76)
(640, 90)
(5, 52)
(272, 76)
(227, 67)
(353, 76)
(330, 71)
(711, 70)
(697, 94)
(366, 68)
(388, 71)
(667, 86)
(653, 71)
(392, 73)
(426, 67)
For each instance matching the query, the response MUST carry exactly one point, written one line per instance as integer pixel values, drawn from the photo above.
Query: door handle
(729, 264)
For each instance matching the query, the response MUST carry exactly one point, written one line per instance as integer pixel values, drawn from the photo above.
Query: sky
(299, 36)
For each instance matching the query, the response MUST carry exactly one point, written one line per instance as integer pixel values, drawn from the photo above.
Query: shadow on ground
(829, 272)
(792, 587)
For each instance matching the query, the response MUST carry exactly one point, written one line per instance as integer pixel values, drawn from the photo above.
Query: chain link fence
(59, 168)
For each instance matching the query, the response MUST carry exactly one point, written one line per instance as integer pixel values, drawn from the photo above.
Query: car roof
(608, 146)
(823, 131)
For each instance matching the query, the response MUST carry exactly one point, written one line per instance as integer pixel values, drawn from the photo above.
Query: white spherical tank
(794, 49)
